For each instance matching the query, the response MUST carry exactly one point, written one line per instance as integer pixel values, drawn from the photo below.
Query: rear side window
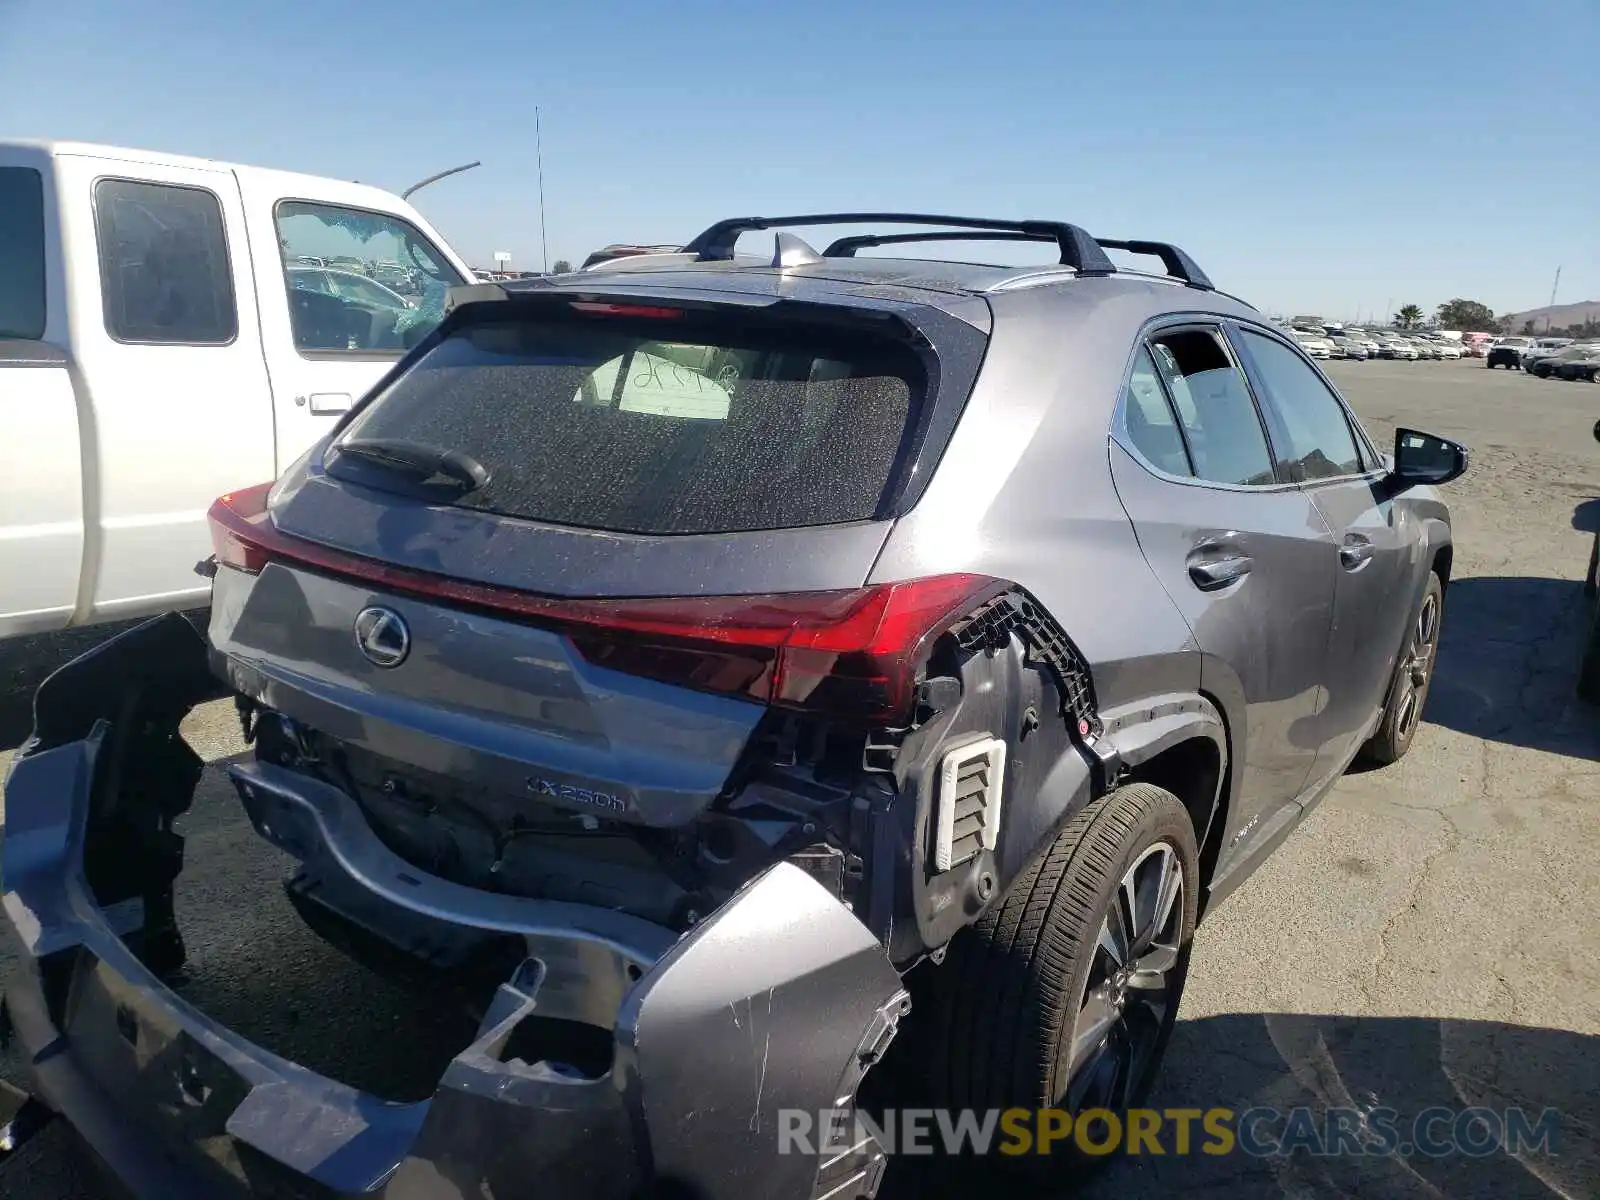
(1219, 418)
(164, 271)
(682, 426)
(1149, 420)
(22, 307)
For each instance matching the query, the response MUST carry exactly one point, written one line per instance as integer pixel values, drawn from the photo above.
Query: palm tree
(1409, 317)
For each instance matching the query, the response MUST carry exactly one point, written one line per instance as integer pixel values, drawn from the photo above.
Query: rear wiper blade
(418, 461)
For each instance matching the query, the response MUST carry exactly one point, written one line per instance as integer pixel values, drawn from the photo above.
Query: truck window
(22, 306)
(358, 281)
(165, 276)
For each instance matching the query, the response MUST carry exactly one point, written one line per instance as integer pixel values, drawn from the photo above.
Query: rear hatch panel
(495, 704)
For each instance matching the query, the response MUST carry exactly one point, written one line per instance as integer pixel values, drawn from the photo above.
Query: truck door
(41, 485)
(350, 278)
(165, 332)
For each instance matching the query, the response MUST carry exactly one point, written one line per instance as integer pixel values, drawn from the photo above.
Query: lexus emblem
(382, 636)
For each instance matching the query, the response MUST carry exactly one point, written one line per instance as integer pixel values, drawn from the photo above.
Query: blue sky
(1329, 158)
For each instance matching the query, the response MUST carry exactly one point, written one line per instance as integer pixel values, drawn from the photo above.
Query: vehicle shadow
(1410, 1076)
(1508, 664)
(1586, 516)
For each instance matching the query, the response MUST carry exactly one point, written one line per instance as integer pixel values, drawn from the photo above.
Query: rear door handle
(1355, 551)
(1214, 565)
(327, 403)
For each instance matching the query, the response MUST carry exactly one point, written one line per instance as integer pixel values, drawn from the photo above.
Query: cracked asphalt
(1429, 936)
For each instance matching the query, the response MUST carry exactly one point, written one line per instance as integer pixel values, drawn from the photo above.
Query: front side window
(1321, 444)
(1219, 418)
(22, 306)
(359, 281)
(165, 277)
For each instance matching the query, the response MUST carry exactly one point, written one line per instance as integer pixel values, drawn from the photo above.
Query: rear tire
(1048, 1002)
(1412, 679)
(1591, 581)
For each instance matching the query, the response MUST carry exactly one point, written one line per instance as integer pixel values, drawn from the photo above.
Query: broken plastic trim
(779, 999)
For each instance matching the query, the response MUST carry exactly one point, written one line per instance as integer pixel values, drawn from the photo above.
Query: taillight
(238, 520)
(850, 653)
(846, 653)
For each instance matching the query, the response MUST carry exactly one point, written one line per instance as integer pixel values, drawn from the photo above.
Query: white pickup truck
(172, 328)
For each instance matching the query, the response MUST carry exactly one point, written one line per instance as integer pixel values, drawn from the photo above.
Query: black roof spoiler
(1080, 250)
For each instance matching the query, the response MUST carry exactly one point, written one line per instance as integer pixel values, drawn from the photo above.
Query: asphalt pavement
(1430, 936)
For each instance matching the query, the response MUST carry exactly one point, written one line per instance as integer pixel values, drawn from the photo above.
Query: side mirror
(1422, 458)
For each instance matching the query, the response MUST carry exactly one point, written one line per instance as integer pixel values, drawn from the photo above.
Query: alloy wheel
(1417, 667)
(1129, 990)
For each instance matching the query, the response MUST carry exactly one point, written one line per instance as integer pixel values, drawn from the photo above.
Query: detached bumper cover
(779, 1000)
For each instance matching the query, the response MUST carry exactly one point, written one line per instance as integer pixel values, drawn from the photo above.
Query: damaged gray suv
(717, 667)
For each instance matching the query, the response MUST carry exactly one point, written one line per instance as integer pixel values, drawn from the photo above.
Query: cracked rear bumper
(779, 1000)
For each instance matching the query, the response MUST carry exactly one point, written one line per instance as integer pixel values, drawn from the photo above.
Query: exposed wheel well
(1191, 771)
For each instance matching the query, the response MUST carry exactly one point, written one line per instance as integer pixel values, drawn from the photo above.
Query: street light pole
(538, 142)
(422, 183)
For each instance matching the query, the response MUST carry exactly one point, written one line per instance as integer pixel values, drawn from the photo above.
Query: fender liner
(1139, 732)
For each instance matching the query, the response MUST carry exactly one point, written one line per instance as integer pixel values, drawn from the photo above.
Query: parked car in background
(657, 765)
(1397, 348)
(1366, 339)
(397, 278)
(1508, 352)
(171, 328)
(1351, 348)
(1552, 363)
(1317, 345)
(1585, 368)
(1450, 351)
(1543, 348)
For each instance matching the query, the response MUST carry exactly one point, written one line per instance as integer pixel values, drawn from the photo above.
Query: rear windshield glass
(664, 426)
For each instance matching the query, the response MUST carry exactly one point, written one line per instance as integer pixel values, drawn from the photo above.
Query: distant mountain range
(1560, 315)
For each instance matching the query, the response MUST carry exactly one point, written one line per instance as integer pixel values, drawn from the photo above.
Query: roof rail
(1179, 265)
(1078, 249)
(846, 247)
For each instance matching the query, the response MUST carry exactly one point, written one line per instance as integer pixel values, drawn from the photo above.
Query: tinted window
(1214, 406)
(385, 286)
(1321, 445)
(164, 274)
(21, 253)
(687, 425)
(1149, 420)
